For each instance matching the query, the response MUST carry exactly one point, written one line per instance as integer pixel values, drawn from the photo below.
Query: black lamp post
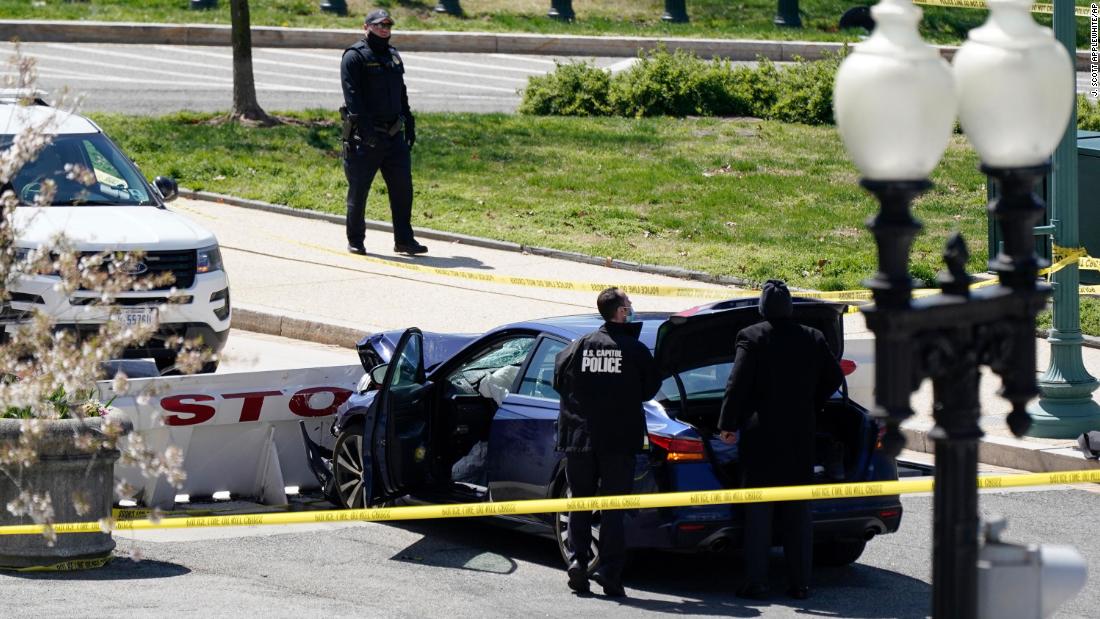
(561, 9)
(675, 12)
(450, 7)
(337, 7)
(947, 337)
(786, 14)
(895, 107)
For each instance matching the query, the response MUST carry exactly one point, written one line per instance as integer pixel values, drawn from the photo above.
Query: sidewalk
(291, 276)
(427, 41)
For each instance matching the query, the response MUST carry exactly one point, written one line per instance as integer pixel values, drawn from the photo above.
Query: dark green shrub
(681, 84)
(804, 93)
(662, 84)
(1088, 114)
(753, 90)
(574, 89)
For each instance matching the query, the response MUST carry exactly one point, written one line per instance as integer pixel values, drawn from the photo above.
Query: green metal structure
(1065, 407)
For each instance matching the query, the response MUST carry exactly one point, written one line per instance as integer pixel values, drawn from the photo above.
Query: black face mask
(377, 44)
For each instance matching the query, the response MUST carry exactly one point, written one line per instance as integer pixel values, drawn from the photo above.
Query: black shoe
(412, 248)
(357, 248)
(578, 577)
(799, 593)
(753, 592)
(611, 588)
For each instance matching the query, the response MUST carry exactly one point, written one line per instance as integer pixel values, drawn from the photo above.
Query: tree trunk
(245, 106)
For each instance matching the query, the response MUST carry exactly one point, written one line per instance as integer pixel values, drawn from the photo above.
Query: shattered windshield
(86, 170)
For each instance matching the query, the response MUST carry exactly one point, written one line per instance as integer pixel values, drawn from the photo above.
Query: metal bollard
(561, 9)
(450, 7)
(1032, 580)
(339, 7)
(786, 14)
(675, 12)
(204, 4)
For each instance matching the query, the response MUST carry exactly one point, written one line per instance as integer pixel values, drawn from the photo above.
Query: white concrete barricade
(239, 432)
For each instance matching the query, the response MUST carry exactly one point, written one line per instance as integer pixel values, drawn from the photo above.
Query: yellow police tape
(71, 565)
(1081, 11)
(1066, 257)
(547, 506)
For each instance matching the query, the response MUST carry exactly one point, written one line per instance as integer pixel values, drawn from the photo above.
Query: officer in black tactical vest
(603, 379)
(378, 132)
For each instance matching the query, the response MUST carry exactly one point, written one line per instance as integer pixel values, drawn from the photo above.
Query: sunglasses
(384, 24)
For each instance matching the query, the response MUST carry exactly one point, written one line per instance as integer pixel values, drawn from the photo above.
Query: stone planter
(61, 470)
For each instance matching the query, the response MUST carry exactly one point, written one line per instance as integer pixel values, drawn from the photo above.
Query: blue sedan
(466, 418)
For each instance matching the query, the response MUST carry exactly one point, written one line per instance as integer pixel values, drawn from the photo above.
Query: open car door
(402, 441)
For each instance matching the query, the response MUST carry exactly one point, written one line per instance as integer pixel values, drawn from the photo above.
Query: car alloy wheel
(347, 468)
(561, 531)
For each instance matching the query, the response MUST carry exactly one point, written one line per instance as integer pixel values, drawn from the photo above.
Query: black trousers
(591, 474)
(796, 528)
(391, 156)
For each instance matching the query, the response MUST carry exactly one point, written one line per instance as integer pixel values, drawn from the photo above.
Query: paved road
(471, 569)
(157, 79)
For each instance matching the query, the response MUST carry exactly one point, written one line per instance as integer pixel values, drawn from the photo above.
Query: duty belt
(390, 128)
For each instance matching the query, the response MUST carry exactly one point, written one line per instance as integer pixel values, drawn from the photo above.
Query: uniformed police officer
(603, 378)
(783, 372)
(379, 130)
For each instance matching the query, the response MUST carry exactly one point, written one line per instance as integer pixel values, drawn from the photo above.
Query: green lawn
(1090, 318)
(709, 18)
(736, 197)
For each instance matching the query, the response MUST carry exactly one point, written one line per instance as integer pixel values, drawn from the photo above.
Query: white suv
(122, 212)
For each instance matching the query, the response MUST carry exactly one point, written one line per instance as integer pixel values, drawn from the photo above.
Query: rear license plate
(136, 316)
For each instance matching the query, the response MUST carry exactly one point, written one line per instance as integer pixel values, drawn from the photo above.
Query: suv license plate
(135, 316)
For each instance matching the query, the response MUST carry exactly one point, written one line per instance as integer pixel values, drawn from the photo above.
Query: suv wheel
(561, 530)
(838, 553)
(167, 366)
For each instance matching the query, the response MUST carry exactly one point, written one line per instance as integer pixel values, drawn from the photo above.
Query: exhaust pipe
(869, 534)
(719, 545)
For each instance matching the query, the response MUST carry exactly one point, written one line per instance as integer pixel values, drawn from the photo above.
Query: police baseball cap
(377, 17)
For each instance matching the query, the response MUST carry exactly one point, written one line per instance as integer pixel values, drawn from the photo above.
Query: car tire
(561, 529)
(838, 553)
(166, 366)
(347, 468)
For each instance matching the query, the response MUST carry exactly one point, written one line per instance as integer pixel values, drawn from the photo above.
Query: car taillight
(679, 449)
(879, 436)
(847, 366)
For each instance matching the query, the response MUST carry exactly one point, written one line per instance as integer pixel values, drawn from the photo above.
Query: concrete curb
(259, 320)
(451, 237)
(1010, 453)
(424, 41)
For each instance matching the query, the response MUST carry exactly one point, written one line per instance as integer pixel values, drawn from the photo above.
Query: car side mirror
(378, 373)
(167, 187)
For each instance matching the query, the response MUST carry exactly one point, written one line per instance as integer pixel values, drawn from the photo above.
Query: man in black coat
(379, 132)
(783, 373)
(603, 378)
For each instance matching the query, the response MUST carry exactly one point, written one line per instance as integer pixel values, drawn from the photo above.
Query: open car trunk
(695, 351)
